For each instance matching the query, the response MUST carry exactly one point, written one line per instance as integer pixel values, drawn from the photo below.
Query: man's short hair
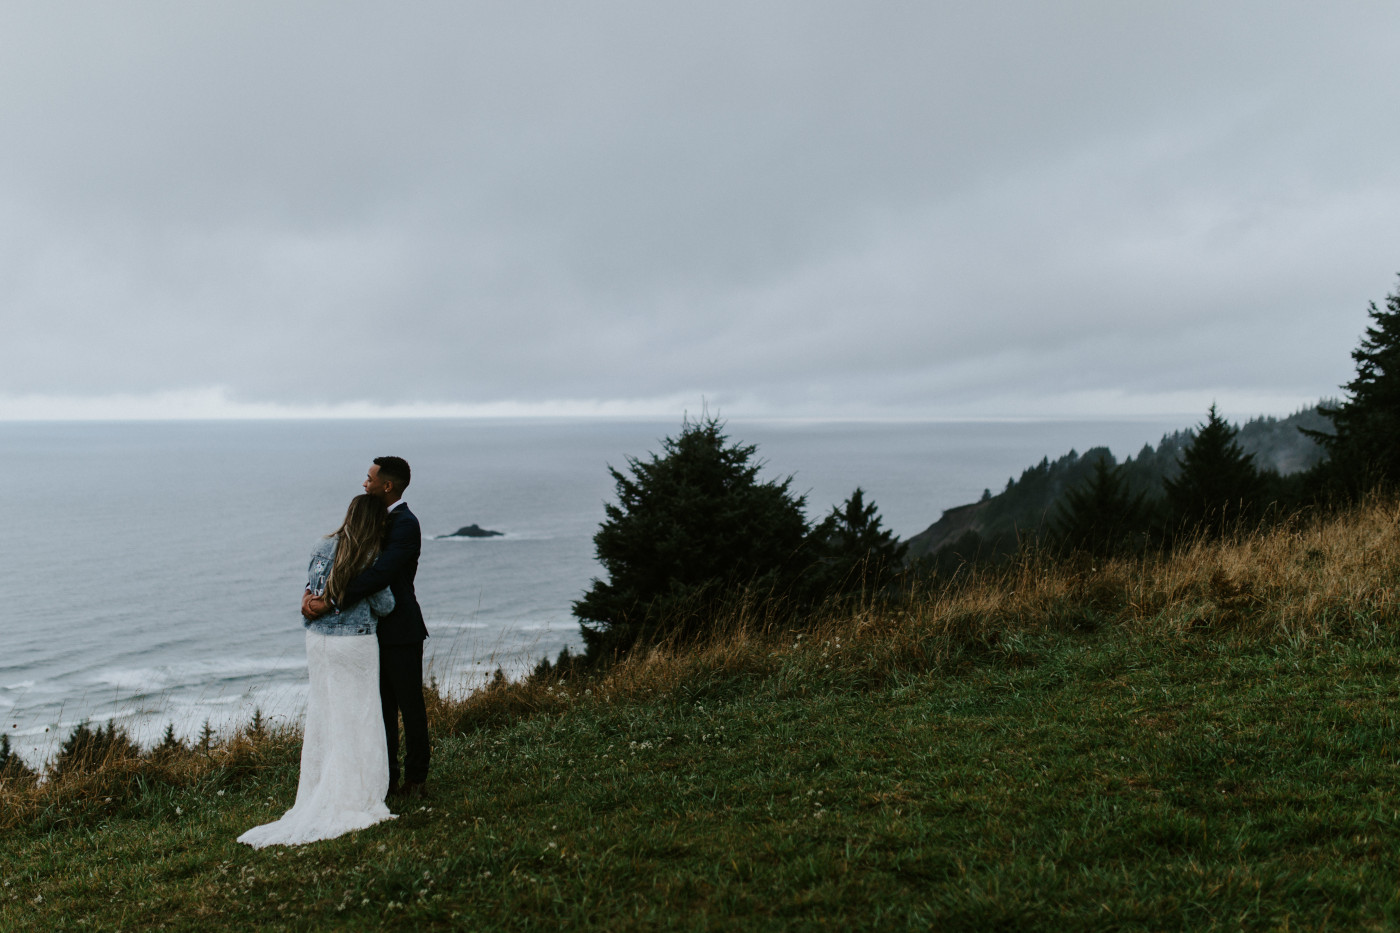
(394, 469)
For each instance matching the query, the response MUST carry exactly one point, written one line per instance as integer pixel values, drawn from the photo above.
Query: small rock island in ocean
(473, 531)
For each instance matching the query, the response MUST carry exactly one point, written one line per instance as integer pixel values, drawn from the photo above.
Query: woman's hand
(313, 607)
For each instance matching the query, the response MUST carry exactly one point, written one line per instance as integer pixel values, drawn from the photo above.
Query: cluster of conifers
(694, 529)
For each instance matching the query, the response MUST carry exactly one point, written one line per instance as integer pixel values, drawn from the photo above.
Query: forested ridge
(1026, 506)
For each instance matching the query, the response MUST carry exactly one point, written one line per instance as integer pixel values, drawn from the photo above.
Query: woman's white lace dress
(344, 756)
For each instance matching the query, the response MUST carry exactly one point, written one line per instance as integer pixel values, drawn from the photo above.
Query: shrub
(12, 767)
(87, 749)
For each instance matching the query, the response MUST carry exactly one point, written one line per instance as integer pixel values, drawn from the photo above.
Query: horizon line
(216, 404)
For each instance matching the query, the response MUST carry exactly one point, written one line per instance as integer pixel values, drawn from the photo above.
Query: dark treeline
(89, 749)
(1092, 497)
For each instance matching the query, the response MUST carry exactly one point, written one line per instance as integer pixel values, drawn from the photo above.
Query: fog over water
(155, 568)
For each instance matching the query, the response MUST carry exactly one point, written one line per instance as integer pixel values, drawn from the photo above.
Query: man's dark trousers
(401, 693)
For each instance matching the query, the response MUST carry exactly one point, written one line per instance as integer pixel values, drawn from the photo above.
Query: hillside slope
(1202, 741)
(1023, 507)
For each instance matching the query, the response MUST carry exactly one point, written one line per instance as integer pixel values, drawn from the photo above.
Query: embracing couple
(364, 651)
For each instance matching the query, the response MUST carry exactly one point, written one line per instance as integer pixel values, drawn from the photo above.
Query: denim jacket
(361, 618)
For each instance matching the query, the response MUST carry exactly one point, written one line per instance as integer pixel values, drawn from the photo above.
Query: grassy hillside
(1205, 741)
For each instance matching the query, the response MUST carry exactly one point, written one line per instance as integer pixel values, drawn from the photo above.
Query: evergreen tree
(853, 553)
(1102, 514)
(1218, 483)
(690, 528)
(969, 549)
(1364, 444)
(562, 668)
(170, 746)
(12, 767)
(206, 738)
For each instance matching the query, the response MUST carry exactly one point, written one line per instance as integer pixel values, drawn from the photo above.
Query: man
(401, 632)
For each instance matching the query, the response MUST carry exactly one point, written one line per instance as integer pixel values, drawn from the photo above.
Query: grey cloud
(801, 207)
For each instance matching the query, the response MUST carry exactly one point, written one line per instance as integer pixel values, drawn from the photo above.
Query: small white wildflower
(178, 811)
(221, 793)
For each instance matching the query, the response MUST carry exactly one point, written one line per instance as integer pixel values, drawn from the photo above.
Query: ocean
(153, 570)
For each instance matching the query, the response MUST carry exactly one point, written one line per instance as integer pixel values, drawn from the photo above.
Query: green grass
(1116, 780)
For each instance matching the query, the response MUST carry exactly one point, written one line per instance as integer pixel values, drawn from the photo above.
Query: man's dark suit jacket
(395, 568)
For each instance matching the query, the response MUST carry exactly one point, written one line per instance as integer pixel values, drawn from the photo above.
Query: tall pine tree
(691, 528)
(1364, 446)
(853, 553)
(1101, 515)
(1218, 483)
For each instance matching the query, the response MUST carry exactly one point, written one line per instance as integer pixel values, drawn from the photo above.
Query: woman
(344, 757)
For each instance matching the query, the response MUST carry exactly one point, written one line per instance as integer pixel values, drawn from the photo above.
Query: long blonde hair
(358, 540)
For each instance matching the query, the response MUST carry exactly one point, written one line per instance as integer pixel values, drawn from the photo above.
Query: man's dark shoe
(414, 790)
(394, 791)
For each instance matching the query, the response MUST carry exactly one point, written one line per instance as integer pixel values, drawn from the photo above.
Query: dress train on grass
(344, 756)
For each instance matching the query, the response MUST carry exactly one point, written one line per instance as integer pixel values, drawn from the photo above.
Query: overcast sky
(817, 209)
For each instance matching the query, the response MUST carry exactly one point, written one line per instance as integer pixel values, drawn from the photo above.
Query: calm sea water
(153, 570)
